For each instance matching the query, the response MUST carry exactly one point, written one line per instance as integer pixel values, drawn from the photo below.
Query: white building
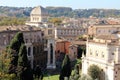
(38, 16)
(103, 51)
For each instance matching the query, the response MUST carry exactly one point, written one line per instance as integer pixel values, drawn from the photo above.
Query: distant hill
(59, 11)
(15, 11)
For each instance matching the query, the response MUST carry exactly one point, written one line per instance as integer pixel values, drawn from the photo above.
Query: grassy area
(47, 76)
(53, 77)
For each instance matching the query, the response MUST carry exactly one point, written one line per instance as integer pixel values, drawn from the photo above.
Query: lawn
(52, 77)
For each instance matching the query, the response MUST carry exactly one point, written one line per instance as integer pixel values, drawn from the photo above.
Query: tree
(11, 21)
(66, 68)
(38, 72)
(94, 71)
(4, 65)
(14, 50)
(55, 21)
(85, 77)
(24, 69)
(76, 74)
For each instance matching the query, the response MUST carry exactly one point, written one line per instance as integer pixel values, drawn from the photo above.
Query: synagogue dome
(38, 11)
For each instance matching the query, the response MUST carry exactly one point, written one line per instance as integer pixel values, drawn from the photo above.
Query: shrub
(94, 71)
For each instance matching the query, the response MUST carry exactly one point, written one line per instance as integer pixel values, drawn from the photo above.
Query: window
(118, 68)
(5, 42)
(49, 26)
(96, 53)
(51, 53)
(49, 31)
(29, 51)
(90, 52)
(74, 54)
(34, 50)
(31, 40)
(112, 53)
(99, 31)
(26, 40)
(102, 55)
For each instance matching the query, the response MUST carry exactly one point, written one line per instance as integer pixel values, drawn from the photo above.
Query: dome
(38, 11)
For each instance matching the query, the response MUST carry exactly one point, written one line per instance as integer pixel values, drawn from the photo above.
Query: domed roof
(38, 11)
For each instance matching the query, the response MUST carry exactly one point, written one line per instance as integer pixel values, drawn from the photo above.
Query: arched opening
(34, 50)
(29, 51)
(51, 53)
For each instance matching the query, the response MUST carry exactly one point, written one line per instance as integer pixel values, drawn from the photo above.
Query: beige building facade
(33, 38)
(103, 51)
(102, 29)
(69, 33)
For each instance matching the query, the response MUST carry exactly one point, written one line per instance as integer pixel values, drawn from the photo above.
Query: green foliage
(23, 68)
(59, 11)
(16, 42)
(14, 50)
(10, 21)
(75, 75)
(5, 76)
(94, 71)
(75, 63)
(66, 68)
(4, 66)
(4, 61)
(14, 61)
(55, 21)
(23, 60)
(85, 77)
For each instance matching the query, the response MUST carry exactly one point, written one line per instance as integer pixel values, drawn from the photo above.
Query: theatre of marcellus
(40, 45)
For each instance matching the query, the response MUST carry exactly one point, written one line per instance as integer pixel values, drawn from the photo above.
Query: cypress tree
(17, 41)
(24, 69)
(66, 68)
(14, 50)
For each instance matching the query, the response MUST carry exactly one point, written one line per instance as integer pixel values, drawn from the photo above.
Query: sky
(75, 4)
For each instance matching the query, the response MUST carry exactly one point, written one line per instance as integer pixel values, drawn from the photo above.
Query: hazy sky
(75, 4)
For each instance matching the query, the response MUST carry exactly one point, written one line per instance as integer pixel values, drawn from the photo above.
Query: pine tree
(24, 69)
(14, 50)
(66, 68)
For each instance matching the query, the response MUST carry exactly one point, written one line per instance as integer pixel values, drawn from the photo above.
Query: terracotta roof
(78, 42)
(73, 46)
(18, 28)
(110, 43)
(61, 40)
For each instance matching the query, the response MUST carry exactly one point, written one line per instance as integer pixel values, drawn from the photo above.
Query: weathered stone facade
(34, 42)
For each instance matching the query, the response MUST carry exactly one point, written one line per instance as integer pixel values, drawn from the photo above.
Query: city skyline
(80, 4)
